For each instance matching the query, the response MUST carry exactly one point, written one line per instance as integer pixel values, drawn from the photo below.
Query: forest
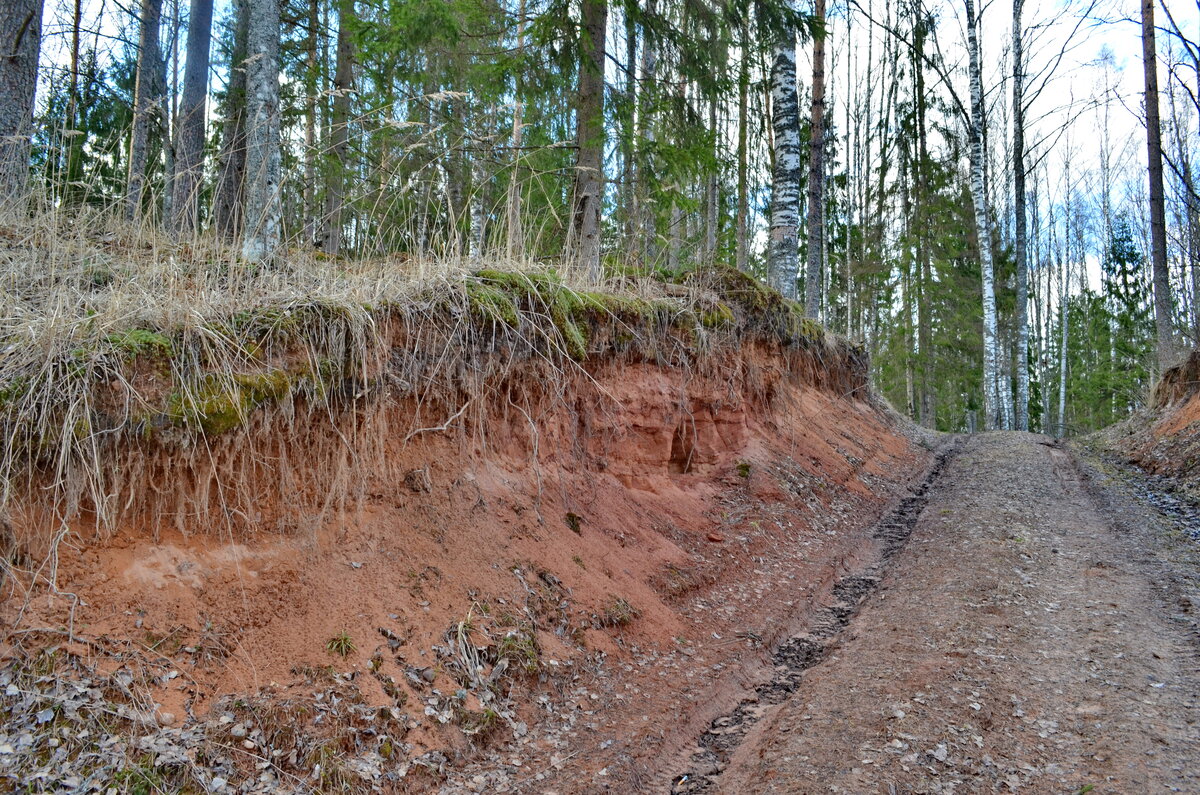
(997, 200)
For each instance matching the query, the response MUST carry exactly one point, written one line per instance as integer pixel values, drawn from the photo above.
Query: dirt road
(1018, 642)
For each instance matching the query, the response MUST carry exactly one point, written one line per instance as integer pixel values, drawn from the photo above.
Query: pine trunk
(189, 144)
(147, 103)
(263, 209)
(20, 42)
(589, 125)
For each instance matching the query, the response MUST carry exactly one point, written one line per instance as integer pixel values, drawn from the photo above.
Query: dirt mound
(456, 559)
(1165, 438)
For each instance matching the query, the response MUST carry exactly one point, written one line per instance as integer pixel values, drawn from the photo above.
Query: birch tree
(783, 254)
(20, 46)
(997, 400)
(263, 208)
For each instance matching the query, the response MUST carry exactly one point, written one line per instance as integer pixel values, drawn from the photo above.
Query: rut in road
(1016, 643)
(799, 653)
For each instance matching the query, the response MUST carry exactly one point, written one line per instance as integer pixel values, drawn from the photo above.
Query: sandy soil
(1018, 643)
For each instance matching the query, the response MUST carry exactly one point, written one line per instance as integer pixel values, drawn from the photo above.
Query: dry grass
(145, 381)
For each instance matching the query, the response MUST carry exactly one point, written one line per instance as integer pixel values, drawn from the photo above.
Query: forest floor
(1036, 633)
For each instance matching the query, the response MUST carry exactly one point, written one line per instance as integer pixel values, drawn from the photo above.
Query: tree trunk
(993, 384)
(312, 90)
(189, 146)
(629, 130)
(263, 208)
(743, 167)
(339, 133)
(1158, 224)
(814, 278)
(649, 70)
(20, 45)
(1020, 235)
(71, 137)
(783, 255)
(516, 236)
(147, 98)
(589, 125)
(712, 194)
(230, 189)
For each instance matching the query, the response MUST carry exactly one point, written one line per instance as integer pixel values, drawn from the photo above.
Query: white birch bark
(993, 384)
(783, 253)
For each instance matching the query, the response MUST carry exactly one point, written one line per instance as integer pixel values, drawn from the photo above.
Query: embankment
(337, 547)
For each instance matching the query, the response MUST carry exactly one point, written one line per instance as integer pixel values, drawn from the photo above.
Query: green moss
(490, 303)
(136, 342)
(720, 315)
(576, 338)
(13, 391)
(216, 405)
(263, 387)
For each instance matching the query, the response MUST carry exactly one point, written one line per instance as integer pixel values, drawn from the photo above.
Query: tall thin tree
(339, 133)
(189, 143)
(815, 274)
(1158, 222)
(148, 91)
(231, 163)
(589, 126)
(783, 252)
(996, 391)
(1020, 233)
